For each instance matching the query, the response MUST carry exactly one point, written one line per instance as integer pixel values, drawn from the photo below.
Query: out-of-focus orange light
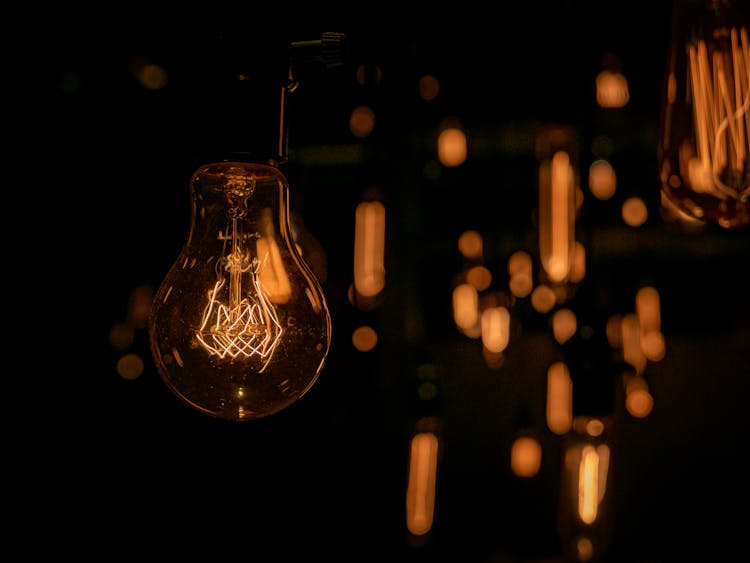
(495, 329)
(634, 211)
(612, 89)
(452, 148)
(429, 87)
(525, 456)
(543, 298)
(602, 180)
(470, 245)
(130, 366)
(564, 325)
(364, 338)
(422, 478)
(465, 306)
(639, 403)
(362, 121)
(369, 248)
(559, 398)
(480, 277)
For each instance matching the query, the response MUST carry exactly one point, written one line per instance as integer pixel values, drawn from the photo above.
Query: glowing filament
(588, 485)
(247, 326)
(720, 86)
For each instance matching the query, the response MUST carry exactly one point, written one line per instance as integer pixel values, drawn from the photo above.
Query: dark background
(144, 474)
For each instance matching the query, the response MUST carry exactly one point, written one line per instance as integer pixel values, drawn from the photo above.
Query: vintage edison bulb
(704, 148)
(239, 328)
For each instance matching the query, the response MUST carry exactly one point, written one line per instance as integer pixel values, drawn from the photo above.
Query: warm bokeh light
(632, 352)
(520, 273)
(556, 215)
(495, 329)
(429, 87)
(653, 345)
(648, 308)
(639, 402)
(612, 89)
(584, 548)
(564, 325)
(578, 267)
(588, 484)
(422, 478)
(362, 121)
(465, 306)
(543, 298)
(121, 335)
(364, 338)
(559, 398)
(602, 180)
(471, 245)
(369, 248)
(451, 147)
(613, 329)
(130, 366)
(525, 456)
(149, 75)
(480, 277)
(634, 211)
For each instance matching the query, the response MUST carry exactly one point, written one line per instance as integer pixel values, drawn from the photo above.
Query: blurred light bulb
(240, 327)
(586, 514)
(704, 137)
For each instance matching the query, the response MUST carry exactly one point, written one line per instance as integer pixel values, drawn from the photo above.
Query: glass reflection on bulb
(239, 328)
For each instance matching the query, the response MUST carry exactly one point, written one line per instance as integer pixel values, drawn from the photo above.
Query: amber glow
(602, 180)
(362, 121)
(465, 306)
(480, 277)
(639, 402)
(471, 244)
(578, 268)
(130, 366)
(520, 273)
(543, 298)
(420, 492)
(611, 89)
(634, 211)
(564, 325)
(648, 310)
(429, 87)
(631, 342)
(495, 329)
(452, 147)
(364, 338)
(369, 248)
(588, 484)
(559, 398)
(556, 216)
(273, 276)
(525, 456)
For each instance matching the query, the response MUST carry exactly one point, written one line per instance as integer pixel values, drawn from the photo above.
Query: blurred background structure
(433, 432)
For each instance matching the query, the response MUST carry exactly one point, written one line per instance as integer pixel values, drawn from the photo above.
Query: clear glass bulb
(239, 328)
(704, 137)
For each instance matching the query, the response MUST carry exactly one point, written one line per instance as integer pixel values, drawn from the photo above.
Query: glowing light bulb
(586, 507)
(704, 137)
(239, 328)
